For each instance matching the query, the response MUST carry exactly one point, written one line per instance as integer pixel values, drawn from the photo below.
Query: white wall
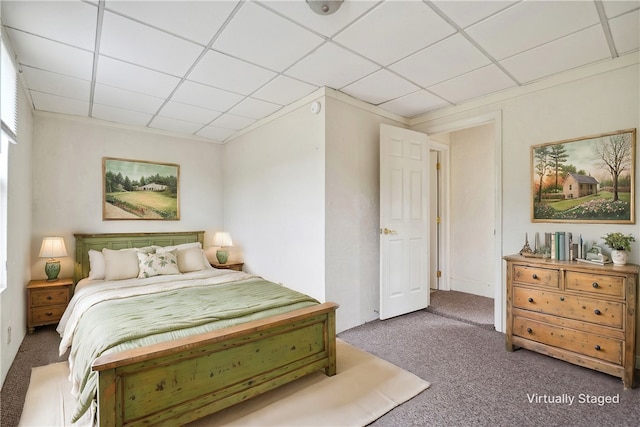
(274, 200)
(13, 304)
(67, 181)
(353, 210)
(472, 204)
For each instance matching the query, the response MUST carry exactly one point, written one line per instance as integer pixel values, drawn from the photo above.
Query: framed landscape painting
(138, 189)
(585, 180)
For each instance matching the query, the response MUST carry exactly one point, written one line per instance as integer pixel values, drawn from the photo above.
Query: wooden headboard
(115, 241)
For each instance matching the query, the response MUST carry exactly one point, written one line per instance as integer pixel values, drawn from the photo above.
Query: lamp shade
(52, 247)
(222, 239)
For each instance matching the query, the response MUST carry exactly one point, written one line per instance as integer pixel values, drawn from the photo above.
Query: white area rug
(365, 388)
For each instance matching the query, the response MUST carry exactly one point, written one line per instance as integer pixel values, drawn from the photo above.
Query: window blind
(8, 95)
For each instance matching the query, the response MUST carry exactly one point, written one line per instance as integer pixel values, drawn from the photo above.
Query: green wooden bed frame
(177, 382)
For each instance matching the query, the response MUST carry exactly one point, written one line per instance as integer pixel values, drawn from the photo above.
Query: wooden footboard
(180, 381)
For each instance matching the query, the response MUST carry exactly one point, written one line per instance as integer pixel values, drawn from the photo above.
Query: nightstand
(228, 266)
(46, 301)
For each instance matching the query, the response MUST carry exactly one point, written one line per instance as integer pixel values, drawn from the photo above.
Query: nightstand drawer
(47, 315)
(595, 284)
(48, 297)
(536, 276)
(597, 346)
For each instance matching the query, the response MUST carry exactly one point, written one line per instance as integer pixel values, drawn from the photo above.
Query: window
(8, 134)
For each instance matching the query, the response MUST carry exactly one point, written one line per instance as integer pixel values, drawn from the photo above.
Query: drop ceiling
(213, 68)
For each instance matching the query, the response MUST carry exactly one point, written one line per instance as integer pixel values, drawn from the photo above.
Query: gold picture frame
(585, 180)
(140, 190)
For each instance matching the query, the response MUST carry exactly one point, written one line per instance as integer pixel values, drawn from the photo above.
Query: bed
(178, 380)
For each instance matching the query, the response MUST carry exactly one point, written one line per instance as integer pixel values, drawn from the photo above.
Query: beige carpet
(365, 388)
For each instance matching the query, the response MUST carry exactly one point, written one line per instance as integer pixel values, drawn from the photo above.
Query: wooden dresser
(581, 313)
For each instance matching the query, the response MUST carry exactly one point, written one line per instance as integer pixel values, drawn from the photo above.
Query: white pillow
(158, 263)
(121, 264)
(96, 265)
(191, 257)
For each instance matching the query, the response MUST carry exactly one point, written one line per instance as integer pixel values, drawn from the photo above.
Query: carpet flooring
(462, 306)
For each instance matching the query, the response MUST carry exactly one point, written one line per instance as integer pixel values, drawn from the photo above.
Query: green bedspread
(119, 324)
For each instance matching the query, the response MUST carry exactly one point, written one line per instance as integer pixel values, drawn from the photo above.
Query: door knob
(386, 231)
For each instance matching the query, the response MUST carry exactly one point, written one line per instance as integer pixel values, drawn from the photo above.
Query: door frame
(494, 118)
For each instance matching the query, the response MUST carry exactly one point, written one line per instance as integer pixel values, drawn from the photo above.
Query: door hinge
(438, 273)
(438, 166)
(438, 220)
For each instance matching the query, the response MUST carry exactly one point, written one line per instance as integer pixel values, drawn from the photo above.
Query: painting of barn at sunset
(588, 179)
(135, 189)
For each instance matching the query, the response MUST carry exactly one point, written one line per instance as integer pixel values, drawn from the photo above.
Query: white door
(404, 221)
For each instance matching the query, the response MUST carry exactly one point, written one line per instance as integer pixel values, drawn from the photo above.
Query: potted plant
(620, 246)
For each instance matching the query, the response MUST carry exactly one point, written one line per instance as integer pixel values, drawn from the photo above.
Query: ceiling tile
(205, 96)
(614, 8)
(190, 113)
(52, 56)
(569, 52)
(195, 20)
(531, 23)
(465, 13)
(139, 44)
(414, 104)
(56, 84)
(254, 108)
(174, 125)
(215, 133)
(381, 86)
(394, 30)
(283, 90)
(625, 30)
(446, 59)
(220, 70)
(475, 84)
(116, 97)
(120, 115)
(332, 66)
(300, 12)
(59, 104)
(231, 121)
(260, 36)
(121, 74)
(70, 22)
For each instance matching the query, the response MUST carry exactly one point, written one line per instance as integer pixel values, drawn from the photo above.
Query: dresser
(46, 301)
(581, 313)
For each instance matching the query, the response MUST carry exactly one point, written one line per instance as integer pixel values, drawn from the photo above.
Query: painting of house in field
(137, 189)
(589, 179)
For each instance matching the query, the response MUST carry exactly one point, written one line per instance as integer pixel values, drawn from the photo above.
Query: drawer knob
(535, 276)
(49, 297)
(595, 285)
(529, 330)
(49, 314)
(561, 298)
(597, 347)
(530, 299)
(596, 312)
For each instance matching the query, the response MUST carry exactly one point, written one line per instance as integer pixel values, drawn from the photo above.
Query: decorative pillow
(121, 264)
(158, 263)
(191, 257)
(96, 265)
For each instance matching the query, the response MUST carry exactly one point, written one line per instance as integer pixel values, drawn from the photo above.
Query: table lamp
(52, 247)
(222, 239)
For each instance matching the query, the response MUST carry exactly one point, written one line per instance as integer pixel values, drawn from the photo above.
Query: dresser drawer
(536, 276)
(597, 346)
(608, 313)
(47, 315)
(595, 284)
(49, 296)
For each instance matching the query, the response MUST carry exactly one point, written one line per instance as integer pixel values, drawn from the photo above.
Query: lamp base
(52, 269)
(222, 256)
